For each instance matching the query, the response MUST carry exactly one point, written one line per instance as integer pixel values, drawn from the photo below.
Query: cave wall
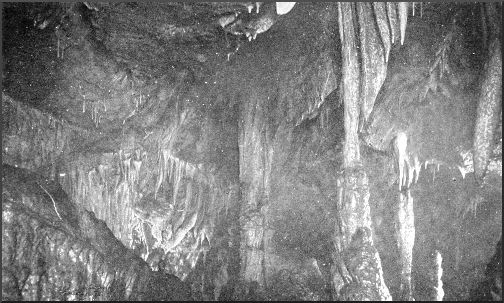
(134, 149)
(283, 81)
(52, 250)
(439, 115)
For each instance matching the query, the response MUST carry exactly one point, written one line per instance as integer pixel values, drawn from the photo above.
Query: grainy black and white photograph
(251, 151)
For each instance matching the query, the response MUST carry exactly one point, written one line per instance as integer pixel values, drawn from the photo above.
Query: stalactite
(374, 69)
(199, 208)
(381, 20)
(351, 83)
(484, 29)
(488, 112)
(165, 167)
(403, 18)
(187, 202)
(180, 233)
(35, 138)
(174, 170)
(161, 169)
(409, 166)
(400, 146)
(110, 201)
(175, 176)
(171, 231)
(392, 19)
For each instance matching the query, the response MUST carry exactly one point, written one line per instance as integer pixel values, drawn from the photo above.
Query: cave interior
(251, 150)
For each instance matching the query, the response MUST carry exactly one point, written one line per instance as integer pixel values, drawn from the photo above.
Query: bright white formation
(283, 8)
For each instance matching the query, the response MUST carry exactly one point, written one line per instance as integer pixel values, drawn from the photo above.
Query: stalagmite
(405, 232)
(351, 83)
(439, 274)
(354, 210)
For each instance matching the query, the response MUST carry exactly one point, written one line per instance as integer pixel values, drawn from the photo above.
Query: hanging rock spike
(403, 18)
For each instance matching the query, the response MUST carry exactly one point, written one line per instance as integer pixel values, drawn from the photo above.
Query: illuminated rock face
(82, 260)
(489, 110)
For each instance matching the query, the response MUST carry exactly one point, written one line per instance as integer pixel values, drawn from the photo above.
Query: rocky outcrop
(53, 251)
